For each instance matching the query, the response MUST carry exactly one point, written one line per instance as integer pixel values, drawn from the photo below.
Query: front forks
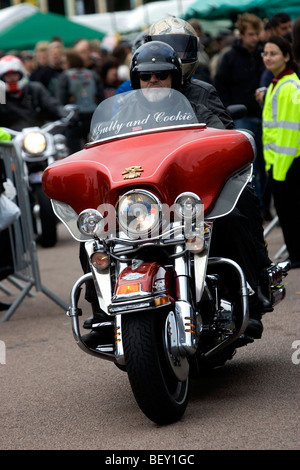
(187, 321)
(186, 334)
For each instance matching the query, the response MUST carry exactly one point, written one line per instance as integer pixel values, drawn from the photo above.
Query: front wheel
(48, 219)
(160, 394)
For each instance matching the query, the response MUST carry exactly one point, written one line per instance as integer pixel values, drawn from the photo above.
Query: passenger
(237, 79)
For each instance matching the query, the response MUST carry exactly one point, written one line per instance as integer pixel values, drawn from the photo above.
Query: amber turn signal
(100, 260)
(129, 289)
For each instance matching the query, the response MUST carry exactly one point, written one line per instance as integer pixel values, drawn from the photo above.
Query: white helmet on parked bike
(155, 56)
(10, 63)
(182, 37)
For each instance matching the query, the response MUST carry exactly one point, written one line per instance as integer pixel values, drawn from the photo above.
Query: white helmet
(10, 63)
(182, 37)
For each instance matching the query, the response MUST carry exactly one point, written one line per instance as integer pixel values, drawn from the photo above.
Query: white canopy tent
(122, 22)
(11, 15)
(143, 16)
(134, 20)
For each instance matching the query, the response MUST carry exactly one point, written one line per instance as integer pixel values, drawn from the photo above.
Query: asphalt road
(55, 397)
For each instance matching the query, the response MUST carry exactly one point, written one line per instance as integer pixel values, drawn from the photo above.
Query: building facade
(79, 7)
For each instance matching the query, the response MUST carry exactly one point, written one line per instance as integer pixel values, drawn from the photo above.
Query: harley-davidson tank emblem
(132, 172)
(133, 276)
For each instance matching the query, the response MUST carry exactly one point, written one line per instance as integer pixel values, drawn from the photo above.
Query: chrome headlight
(35, 143)
(138, 213)
(89, 222)
(188, 206)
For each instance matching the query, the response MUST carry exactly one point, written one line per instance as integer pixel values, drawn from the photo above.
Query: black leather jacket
(202, 93)
(238, 76)
(33, 107)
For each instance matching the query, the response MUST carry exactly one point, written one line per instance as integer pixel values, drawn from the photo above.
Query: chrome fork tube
(182, 276)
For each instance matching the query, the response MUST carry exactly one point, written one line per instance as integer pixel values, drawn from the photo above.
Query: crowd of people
(255, 64)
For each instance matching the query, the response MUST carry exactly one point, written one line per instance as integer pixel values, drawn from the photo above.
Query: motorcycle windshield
(140, 111)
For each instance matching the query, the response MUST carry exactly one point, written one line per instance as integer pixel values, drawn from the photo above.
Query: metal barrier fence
(274, 222)
(26, 274)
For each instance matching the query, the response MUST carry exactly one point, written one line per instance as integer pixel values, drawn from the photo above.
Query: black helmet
(155, 56)
(139, 40)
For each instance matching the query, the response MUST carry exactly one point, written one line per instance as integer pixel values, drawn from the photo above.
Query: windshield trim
(147, 131)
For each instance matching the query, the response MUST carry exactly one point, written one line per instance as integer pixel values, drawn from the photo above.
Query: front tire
(48, 219)
(159, 393)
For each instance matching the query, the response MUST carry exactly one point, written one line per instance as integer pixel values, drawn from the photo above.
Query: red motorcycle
(142, 196)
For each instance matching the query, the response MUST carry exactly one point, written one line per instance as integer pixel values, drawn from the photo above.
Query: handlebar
(71, 114)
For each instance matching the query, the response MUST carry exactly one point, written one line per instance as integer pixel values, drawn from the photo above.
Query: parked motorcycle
(143, 196)
(39, 147)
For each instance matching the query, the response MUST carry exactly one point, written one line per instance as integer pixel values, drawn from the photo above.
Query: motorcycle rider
(234, 239)
(28, 103)
(166, 58)
(170, 77)
(184, 40)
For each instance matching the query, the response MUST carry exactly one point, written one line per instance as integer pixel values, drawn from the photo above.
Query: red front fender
(147, 278)
(144, 287)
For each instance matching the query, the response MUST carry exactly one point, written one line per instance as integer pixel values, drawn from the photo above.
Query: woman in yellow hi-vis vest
(281, 140)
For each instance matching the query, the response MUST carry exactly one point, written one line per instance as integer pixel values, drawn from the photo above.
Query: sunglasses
(146, 76)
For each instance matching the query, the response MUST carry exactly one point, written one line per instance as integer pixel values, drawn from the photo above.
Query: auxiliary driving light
(89, 222)
(188, 206)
